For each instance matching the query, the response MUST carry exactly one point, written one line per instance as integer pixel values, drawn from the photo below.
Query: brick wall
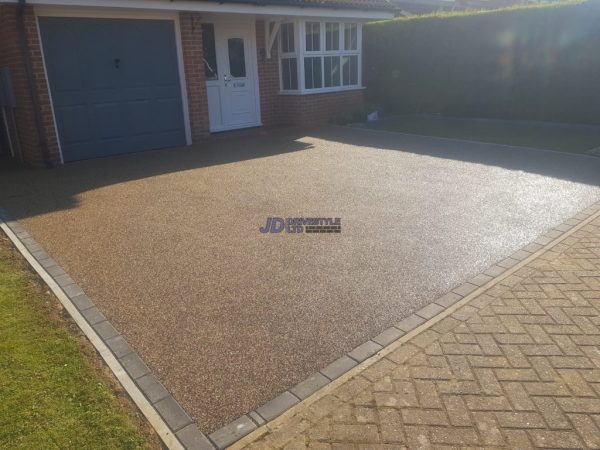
(191, 42)
(297, 110)
(268, 79)
(318, 109)
(276, 109)
(31, 143)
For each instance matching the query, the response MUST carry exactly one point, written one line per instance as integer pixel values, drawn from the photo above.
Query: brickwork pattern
(191, 43)
(276, 109)
(517, 366)
(11, 56)
(268, 79)
(296, 110)
(318, 109)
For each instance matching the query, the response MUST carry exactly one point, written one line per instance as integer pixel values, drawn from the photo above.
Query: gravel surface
(167, 244)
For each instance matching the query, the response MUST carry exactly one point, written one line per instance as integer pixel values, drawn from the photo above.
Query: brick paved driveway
(167, 245)
(517, 366)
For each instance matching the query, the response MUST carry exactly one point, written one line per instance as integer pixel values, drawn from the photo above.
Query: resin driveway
(167, 245)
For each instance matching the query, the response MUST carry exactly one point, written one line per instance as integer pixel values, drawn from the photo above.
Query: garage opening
(114, 84)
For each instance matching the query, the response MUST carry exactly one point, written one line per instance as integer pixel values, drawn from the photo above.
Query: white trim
(8, 133)
(37, 25)
(236, 127)
(44, 10)
(359, 43)
(253, 65)
(256, 75)
(213, 6)
(53, 11)
(300, 53)
(271, 35)
(323, 90)
(182, 82)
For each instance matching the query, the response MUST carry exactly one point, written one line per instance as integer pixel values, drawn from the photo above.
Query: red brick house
(91, 78)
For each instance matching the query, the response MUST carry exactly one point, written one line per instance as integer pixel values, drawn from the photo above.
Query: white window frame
(294, 54)
(300, 53)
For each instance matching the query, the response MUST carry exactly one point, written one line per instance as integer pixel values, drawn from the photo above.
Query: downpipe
(33, 90)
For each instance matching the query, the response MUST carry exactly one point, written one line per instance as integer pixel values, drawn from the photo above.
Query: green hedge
(537, 63)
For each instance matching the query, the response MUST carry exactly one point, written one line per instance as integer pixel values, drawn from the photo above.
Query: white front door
(232, 88)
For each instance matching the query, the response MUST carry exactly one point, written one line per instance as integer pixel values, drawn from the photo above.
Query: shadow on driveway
(564, 166)
(167, 245)
(58, 187)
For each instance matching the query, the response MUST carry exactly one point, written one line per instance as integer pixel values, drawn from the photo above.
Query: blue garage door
(114, 84)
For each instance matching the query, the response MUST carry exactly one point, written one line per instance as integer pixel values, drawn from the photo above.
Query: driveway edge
(470, 141)
(170, 421)
(405, 330)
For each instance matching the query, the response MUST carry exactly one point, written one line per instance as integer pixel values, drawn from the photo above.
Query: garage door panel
(164, 74)
(156, 140)
(141, 118)
(74, 124)
(141, 67)
(164, 92)
(70, 78)
(99, 96)
(108, 120)
(122, 78)
(69, 98)
(97, 55)
(170, 106)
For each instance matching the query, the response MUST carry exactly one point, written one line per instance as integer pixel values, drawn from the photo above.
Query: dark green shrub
(536, 63)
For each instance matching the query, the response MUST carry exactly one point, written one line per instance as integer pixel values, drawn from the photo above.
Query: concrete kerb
(165, 415)
(416, 323)
(176, 428)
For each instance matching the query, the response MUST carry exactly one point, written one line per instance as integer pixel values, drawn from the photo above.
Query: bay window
(319, 56)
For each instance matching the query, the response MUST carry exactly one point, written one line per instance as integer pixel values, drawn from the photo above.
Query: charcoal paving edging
(418, 322)
(170, 421)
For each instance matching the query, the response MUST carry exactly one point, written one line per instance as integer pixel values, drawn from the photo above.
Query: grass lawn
(560, 137)
(54, 392)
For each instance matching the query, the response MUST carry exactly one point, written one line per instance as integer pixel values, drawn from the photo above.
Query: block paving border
(514, 362)
(173, 425)
(169, 419)
(319, 384)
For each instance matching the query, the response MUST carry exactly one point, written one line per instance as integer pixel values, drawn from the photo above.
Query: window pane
(350, 70)
(312, 73)
(237, 60)
(350, 36)
(289, 74)
(332, 36)
(287, 38)
(313, 36)
(331, 69)
(210, 54)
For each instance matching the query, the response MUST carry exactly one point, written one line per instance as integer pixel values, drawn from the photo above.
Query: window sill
(322, 91)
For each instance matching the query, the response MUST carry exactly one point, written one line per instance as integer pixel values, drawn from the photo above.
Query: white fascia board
(215, 7)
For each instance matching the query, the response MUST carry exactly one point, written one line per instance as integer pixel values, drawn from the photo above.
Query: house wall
(268, 79)
(31, 142)
(296, 110)
(276, 109)
(191, 43)
(318, 109)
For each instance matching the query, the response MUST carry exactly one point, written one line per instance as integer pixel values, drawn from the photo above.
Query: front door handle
(226, 79)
